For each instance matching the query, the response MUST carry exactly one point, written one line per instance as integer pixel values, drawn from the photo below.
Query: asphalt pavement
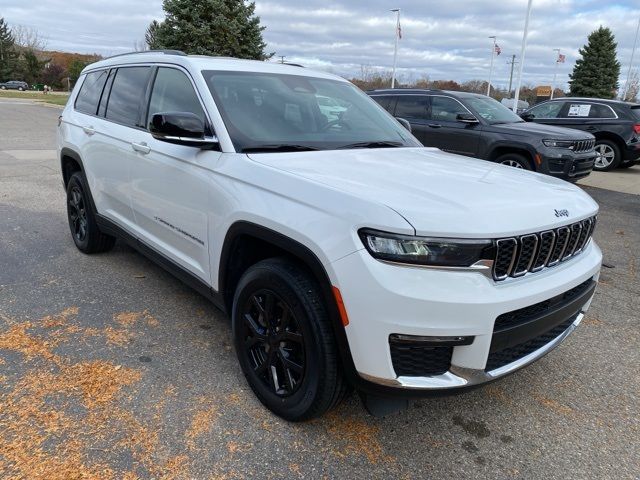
(110, 368)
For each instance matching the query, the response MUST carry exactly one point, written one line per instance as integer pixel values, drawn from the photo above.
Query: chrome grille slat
(533, 252)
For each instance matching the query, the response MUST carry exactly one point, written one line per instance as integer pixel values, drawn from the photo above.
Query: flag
(498, 49)
(399, 30)
(561, 58)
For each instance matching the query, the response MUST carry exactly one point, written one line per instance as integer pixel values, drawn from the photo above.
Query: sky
(440, 39)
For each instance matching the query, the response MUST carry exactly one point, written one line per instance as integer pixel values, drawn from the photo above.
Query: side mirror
(466, 118)
(527, 117)
(404, 123)
(183, 128)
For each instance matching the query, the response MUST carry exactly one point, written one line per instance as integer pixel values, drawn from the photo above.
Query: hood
(539, 129)
(441, 194)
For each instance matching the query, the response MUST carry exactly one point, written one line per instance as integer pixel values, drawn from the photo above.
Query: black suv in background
(615, 124)
(478, 126)
(14, 85)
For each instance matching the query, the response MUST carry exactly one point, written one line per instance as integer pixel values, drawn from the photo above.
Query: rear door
(169, 186)
(588, 116)
(447, 133)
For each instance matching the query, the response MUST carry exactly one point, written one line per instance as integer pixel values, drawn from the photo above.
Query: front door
(446, 132)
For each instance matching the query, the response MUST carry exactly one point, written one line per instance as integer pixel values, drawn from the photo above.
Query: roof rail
(166, 52)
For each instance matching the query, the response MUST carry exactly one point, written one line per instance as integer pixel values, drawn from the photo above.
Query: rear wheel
(514, 160)
(21, 89)
(284, 341)
(82, 222)
(607, 156)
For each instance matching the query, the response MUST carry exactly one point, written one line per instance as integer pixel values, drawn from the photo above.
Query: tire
(3, 87)
(291, 365)
(21, 89)
(608, 156)
(82, 222)
(515, 160)
(627, 164)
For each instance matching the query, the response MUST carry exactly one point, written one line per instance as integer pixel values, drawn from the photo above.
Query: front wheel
(284, 340)
(607, 156)
(514, 160)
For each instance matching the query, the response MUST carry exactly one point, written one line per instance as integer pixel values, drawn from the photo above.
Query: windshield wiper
(380, 144)
(279, 147)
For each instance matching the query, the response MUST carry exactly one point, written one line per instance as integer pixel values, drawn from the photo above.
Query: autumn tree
(209, 27)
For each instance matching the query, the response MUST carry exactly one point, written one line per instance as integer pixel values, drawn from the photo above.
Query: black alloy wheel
(77, 214)
(273, 342)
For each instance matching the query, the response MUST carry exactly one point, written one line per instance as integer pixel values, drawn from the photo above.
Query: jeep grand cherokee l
(346, 254)
(478, 126)
(615, 125)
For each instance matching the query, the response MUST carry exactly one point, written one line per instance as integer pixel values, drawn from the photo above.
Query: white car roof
(203, 62)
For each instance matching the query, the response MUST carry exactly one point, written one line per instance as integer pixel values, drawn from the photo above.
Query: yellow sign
(543, 91)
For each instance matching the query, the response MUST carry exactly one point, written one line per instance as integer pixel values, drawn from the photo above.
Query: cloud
(441, 40)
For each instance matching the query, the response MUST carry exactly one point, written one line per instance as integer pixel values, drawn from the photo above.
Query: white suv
(346, 253)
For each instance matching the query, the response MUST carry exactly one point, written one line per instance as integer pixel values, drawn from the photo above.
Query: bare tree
(28, 38)
(633, 88)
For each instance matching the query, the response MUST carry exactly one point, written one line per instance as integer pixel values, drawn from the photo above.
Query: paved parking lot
(110, 368)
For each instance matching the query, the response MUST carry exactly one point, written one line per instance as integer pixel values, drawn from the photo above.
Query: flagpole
(493, 52)
(522, 52)
(395, 48)
(555, 72)
(633, 52)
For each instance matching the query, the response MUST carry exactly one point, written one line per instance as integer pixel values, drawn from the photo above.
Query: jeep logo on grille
(562, 213)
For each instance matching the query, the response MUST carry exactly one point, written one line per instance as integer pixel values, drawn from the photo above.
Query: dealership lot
(111, 367)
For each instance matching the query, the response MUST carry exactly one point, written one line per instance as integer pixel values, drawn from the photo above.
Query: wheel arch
(246, 243)
(500, 150)
(70, 163)
(612, 137)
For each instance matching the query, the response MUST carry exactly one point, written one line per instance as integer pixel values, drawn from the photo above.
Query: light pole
(512, 63)
(633, 52)
(493, 52)
(522, 51)
(395, 48)
(555, 71)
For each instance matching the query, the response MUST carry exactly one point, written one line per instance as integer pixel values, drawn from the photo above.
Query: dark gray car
(478, 126)
(14, 85)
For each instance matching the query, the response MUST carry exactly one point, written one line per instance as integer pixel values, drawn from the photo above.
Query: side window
(173, 92)
(601, 111)
(385, 102)
(90, 92)
(412, 107)
(446, 109)
(547, 110)
(126, 95)
(102, 108)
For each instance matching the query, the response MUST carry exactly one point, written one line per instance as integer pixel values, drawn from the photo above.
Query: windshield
(269, 112)
(492, 111)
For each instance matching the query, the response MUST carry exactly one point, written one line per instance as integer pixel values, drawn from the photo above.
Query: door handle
(89, 130)
(434, 125)
(141, 147)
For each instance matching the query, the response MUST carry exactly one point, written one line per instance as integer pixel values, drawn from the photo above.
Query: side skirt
(111, 228)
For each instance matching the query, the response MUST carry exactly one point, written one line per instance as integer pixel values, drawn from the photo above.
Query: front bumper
(569, 167)
(383, 300)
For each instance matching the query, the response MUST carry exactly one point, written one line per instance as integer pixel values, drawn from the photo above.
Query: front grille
(517, 256)
(509, 355)
(420, 360)
(523, 315)
(581, 146)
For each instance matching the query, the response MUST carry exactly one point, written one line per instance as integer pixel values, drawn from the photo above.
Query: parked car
(478, 126)
(14, 85)
(330, 107)
(346, 254)
(615, 125)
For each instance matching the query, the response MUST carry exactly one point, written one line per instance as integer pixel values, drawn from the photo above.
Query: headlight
(444, 252)
(558, 143)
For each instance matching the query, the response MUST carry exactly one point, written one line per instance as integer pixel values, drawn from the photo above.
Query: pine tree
(8, 54)
(596, 73)
(209, 27)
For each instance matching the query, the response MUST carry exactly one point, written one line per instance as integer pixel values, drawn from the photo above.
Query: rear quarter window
(385, 102)
(90, 92)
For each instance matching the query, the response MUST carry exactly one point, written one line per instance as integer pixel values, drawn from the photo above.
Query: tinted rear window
(89, 95)
(412, 106)
(385, 102)
(126, 95)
